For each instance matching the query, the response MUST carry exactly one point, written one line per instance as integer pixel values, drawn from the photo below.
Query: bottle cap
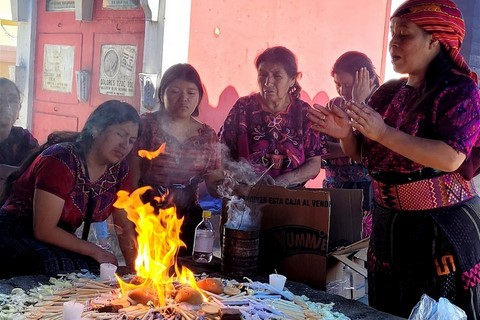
(207, 214)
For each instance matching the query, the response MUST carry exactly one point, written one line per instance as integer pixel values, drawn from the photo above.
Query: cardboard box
(298, 225)
(346, 272)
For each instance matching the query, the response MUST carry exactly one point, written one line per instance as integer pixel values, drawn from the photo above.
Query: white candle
(72, 310)
(277, 281)
(107, 271)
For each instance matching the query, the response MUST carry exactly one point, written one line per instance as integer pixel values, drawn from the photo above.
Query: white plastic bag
(429, 309)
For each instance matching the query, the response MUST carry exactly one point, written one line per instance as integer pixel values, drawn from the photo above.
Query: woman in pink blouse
(419, 138)
(191, 149)
(270, 129)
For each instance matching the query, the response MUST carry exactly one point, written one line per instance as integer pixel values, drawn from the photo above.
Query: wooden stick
(91, 283)
(208, 293)
(147, 315)
(218, 302)
(183, 313)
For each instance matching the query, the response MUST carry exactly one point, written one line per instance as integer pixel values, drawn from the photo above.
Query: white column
(177, 32)
(24, 67)
(167, 36)
(389, 72)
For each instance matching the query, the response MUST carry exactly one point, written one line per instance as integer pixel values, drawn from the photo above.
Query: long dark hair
(287, 59)
(351, 61)
(181, 71)
(109, 113)
(435, 76)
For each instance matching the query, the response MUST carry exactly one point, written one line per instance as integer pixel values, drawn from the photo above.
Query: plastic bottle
(204, 237)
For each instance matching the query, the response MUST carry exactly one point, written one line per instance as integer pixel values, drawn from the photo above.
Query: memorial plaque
(118, 70)
(58, 68)
(60, 5)
(120, 4)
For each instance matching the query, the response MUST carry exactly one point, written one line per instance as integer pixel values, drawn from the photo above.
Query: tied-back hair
(287, 59)
(107, 114)
(435, 76)
(180, 71)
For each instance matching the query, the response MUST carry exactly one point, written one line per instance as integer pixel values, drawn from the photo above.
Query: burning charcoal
(230, 314)
(110, 308)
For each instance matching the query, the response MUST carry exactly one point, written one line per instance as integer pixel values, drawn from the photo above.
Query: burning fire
(158, 245)
(151, 154)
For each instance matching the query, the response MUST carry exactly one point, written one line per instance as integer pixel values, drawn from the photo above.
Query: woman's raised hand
(334, 122)
(363, 85)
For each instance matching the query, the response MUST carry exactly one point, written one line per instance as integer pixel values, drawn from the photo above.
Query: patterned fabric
(471, 277)
(343, 169)
(284, 139)
(57, 170)
(426, 194)
(181, 162)
(454, 119)
(444, 21)
(432, 251)
(17, 146)
(406, 246)
(179, 169)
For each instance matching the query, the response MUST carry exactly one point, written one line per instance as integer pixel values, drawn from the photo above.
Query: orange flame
(158, 245)
(151, 154)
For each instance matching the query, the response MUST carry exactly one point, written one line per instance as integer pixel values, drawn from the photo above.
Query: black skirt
(22, 254)
(434, 252)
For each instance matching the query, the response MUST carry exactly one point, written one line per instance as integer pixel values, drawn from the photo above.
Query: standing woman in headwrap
(419, 139)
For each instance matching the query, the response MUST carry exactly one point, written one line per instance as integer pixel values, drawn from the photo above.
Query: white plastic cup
(107, 271)
(72, 310)
(277, 281)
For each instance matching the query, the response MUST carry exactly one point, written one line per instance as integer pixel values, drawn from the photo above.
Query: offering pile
(216, 299)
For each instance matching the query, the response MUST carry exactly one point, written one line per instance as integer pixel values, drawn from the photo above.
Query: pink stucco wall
(226, 36)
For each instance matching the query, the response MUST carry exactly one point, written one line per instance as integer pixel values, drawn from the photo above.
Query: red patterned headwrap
(444, 21)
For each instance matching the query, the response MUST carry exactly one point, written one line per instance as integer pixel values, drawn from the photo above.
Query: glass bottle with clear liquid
(204, 237)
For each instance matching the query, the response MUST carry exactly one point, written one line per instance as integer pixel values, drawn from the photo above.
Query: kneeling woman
(74, 178)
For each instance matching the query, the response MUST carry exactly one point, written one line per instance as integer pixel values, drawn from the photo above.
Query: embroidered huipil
(59, 170)
(453, 119)
(284, 139)
(182, 163)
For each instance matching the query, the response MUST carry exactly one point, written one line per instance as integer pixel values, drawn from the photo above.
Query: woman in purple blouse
(270, 128)
(419, 138)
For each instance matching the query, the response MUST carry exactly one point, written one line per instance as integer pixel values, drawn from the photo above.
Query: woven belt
(426, 194)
